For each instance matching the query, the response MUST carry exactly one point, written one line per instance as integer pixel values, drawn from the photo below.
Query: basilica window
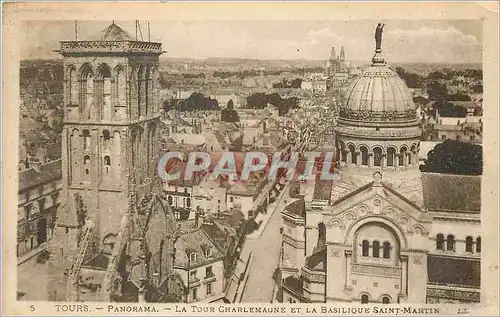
(440, 242)
(170, 200)
(377, 156)
(352, 150)
(364, 299)
(376, 249)
(386, 300)
(478, 245)
(188, 202)
(321, 235)
(365, 246)
(386, 250)
(469, 244)
(391, 154)
(450, 243)
(402, 157)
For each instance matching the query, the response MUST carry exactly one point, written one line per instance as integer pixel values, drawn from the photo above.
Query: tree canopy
(455, 157)
(229, 114)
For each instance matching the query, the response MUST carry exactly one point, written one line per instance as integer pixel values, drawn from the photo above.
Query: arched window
(387, 250)
(86, 164)
(73, 87)
(365, 246)
(364, 155)
(468, 244)
(439, 242)
(391, 155)
(89, 106)
(402, 156)
(352, 150)
(188, 202)
(478, 245)
(450, 243)
(121, 88)
(321, 235)
(413, 154)
(105, 76)
(86, 140)
(386, 300)
(107, 163)
(377, 156)
(170, 200)
(106, 137)
(376, 249)
(364, 299)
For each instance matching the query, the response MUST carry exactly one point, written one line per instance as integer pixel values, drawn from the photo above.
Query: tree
(229, 114)
(455, 157)
(437, 91)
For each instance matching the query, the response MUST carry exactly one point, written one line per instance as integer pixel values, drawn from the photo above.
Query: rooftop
(48, 172)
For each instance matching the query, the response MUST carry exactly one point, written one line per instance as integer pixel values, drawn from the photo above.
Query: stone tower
(110, 149)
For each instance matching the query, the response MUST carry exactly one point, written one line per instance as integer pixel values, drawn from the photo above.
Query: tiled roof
(193, 241)
(297, 208)
(114, 33)
(317, 261)
(444, 192)
(48, 172)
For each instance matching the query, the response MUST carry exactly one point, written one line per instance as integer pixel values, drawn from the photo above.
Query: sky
(436, 41)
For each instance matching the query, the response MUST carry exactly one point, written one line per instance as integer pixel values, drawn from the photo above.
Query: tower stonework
(110, 149)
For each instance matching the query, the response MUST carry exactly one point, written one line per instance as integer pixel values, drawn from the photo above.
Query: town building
(39, 199)
(384, 232)
(114, 238)
(199, 265)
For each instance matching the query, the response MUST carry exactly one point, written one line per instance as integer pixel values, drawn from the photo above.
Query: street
(266, 250)
(32, 280)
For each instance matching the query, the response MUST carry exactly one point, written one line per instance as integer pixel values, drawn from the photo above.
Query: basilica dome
(378, 95)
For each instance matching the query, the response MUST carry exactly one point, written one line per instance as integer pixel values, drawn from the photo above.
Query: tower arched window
(376, 249)
(86, 164)
(365, 247)
(86, 140)
(364, 299)
(364, 155)
(377, 156)
(104, 75)
(188, 202)
(413, 155)
(107, 163)
(450, 243)
(106, 136)
(73, 87)
(352, 150)
(478, 245)
(89, 106)
(121, 88)
(170, 200)
(469, 243)
(386, 250)
(439, 242)
(391, 155)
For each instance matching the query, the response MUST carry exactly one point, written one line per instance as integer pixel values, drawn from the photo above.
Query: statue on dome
(378, 36)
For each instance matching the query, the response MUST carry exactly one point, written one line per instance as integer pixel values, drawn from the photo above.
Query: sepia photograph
(216, 162)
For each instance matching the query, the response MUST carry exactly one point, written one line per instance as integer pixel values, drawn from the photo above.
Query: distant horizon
(403, 41)
(277, 60)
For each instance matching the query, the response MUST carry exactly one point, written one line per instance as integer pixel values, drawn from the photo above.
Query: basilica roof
(378, 94)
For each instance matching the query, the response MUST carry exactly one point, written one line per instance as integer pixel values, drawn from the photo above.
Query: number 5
(32, 307)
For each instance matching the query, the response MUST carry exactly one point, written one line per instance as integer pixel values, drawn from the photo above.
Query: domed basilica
(386, 233)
